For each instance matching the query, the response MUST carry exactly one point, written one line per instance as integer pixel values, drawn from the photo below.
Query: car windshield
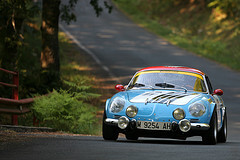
(168, 80)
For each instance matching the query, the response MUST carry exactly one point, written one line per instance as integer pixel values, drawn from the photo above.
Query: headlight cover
(178, 114)
(117, 104)
(123, 122)
(197, 109)
(131, 111)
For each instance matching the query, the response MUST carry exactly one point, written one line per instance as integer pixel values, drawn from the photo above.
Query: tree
(12, 15)
(51, 10)
(49, 55)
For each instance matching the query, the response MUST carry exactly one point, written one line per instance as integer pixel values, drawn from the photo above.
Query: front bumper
(174, 126)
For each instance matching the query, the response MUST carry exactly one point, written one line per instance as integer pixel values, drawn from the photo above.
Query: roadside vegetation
(50, 67)
(71, 105)
(208, 28)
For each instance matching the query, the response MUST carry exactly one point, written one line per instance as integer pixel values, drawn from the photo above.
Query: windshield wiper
(169, 85)
(142, 85)
(165, 85)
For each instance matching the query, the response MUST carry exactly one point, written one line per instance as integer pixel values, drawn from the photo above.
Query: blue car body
(165, 110)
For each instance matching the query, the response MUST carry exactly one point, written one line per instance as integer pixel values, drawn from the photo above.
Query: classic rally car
(166, 102)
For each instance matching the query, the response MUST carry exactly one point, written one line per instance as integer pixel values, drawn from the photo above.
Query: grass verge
(84, 91)
(174, 27)
(73, 108)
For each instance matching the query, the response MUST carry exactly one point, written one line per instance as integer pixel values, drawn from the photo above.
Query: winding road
(121, 48)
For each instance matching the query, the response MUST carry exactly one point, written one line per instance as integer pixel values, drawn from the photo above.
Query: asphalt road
(95, 148)
(121, 48)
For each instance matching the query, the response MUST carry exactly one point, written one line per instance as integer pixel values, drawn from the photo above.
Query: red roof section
(173, 68)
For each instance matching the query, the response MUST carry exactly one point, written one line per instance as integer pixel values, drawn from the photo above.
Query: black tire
(222, 134)
(109, 132)
(131, 136)
(210, 137)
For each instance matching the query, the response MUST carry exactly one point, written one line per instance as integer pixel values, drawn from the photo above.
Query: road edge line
(95, 58)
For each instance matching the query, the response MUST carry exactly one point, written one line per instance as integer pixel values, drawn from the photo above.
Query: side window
(209, 85)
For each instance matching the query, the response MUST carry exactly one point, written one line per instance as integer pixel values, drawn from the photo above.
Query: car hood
(161, 96)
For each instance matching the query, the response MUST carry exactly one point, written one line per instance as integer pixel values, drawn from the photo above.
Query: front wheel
(109, 132)
(210, 137)
(222, 134)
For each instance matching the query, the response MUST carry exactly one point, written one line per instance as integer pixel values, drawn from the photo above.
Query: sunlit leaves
(229, 7)
(98, 8)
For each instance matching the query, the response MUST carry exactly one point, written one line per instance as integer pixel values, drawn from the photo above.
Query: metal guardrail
(14, 106)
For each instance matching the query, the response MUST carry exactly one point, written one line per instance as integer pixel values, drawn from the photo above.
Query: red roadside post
(14, 106)
(15, 96)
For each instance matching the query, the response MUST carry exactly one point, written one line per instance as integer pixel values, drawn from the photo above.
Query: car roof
(173, 68)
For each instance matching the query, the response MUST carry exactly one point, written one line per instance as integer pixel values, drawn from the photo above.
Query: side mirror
(218, 92)
(119, 87)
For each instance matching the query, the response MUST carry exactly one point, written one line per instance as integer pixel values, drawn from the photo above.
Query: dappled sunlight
(218, 15)
(127, 49)
(136, 68)
(164, 43)
(34, 26)
(46, 57)
(235, 92)
(49, 29)
(106, 79)
(100, 114)
(237, 125)
(127, 68)
(125, 78)
(109, 31)
(82, 68)
(100, 35)
(105, 86)
(94, 46)
(123, 24)
(178, 54)
(84, 33)
(144, 38)
(127, 42)
(73, 26)
(237, 95)
(148, 42)
(76, 66)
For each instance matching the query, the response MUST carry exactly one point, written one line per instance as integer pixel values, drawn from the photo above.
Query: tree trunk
(50, 49)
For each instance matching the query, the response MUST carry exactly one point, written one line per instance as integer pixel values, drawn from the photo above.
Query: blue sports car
(166, 102)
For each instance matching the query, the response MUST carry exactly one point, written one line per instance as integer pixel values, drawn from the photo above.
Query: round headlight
(197, 109)
(117, 105)
(123, 122)
(131, 111)
(178, 114)
(184, 125)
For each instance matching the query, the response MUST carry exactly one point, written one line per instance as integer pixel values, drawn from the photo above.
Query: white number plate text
(154, 125)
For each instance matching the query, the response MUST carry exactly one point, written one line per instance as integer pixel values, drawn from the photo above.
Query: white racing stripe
(176, 98)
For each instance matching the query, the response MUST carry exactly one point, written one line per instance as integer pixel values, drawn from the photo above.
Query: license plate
(154, 125)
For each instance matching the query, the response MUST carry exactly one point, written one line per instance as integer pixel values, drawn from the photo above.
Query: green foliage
(209, 28)
(13, 13)
(230, 7)
(63, 110)
(80, 91)
(98, 8)
(15, 50)
(66, 10)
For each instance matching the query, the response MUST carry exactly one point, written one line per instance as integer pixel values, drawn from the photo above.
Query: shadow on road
(151, 141)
